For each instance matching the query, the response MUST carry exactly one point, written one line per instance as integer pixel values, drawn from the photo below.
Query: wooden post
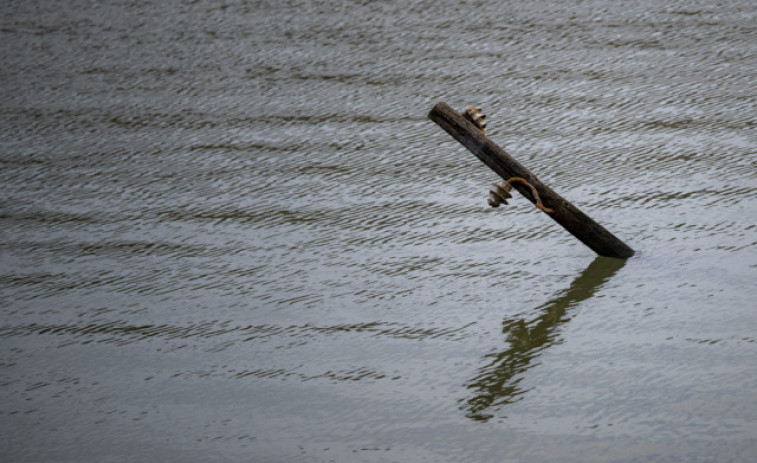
(566, 214)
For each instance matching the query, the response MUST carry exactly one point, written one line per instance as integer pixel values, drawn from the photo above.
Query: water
(230, 233)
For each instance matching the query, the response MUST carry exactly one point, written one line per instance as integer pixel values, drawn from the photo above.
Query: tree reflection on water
(497, 383)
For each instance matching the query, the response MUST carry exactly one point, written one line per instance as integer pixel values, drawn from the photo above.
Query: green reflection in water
(496, 384)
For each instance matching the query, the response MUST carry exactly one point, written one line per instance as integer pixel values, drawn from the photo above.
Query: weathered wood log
(566, 214)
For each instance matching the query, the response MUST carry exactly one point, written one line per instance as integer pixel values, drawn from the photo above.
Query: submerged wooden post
(566, 214)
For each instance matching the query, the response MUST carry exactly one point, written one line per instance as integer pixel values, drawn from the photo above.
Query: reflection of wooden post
(566, 214)
(496, 385)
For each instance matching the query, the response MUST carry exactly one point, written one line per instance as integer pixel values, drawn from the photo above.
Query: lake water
(228, 232)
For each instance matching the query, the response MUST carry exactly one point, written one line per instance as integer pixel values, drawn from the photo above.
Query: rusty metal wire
(500, 193)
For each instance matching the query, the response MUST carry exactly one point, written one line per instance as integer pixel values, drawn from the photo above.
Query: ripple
(119, 332)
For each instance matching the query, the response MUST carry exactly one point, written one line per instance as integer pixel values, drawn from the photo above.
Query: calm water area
(229, 232)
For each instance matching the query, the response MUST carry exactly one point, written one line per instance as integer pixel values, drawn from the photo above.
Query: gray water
(228, 232)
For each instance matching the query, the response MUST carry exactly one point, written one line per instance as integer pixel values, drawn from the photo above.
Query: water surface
(228, 232)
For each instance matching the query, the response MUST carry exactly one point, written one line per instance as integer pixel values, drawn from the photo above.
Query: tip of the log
(439, 107)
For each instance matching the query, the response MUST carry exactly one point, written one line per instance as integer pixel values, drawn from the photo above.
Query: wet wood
(566, 214)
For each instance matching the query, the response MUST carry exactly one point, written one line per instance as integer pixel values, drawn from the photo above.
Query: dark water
(229, 233)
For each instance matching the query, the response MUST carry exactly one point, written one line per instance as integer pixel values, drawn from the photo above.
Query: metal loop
(533, 192)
